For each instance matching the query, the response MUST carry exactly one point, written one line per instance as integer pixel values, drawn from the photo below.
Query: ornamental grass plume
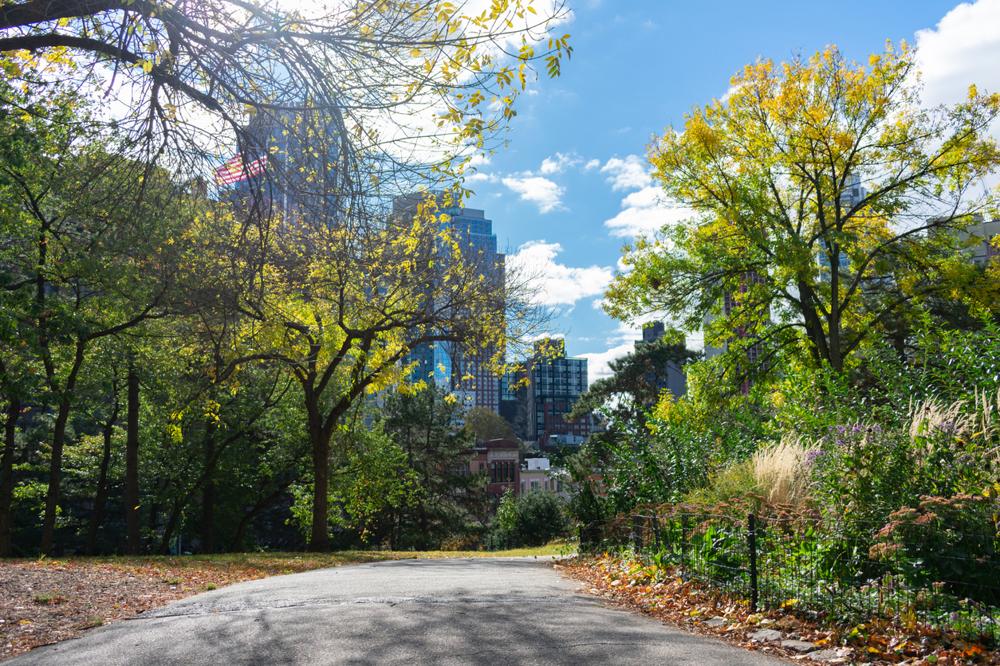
(980, 424)
(782, 472)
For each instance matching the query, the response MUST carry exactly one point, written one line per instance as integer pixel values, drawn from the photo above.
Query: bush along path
(762, 588)
(676, 599)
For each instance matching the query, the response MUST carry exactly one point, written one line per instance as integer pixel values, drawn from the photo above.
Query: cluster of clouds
(644, 208)
(560, 285)
(962, 48)
(643, 211)
(537, 187)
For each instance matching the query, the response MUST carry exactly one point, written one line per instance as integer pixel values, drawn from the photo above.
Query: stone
(765, 636)
(798, 646)
(716, 622)
(830, 655)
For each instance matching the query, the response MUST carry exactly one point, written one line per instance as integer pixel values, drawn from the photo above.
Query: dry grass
(781, 474)
(979, 425)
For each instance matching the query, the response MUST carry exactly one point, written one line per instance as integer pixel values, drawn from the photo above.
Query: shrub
(734, 482)
(530, 520)
(953, 542)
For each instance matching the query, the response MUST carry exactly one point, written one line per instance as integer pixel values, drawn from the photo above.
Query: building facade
(454, 367)
(538, 476)
(982, 241)
(538, 398)
(671, 376)
(499, 460)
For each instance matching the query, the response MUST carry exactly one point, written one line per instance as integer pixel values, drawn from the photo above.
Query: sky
(573, 185)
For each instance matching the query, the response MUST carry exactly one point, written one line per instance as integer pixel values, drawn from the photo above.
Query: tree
(483, 425)
(825, 200)
(342, 316)
(80, 267)
(634, 384)
(530, 520)
(425, 424)
(403, 90)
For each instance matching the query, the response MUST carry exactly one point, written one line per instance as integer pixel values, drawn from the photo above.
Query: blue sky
(572, 185)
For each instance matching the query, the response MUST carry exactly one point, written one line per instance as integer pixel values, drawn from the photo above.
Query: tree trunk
(132, 544)
(319, 437)
(55, 477)
(101, 494)
(173, 518)
(261, 504)
(7, 474)
(208, 493)
(58, 443)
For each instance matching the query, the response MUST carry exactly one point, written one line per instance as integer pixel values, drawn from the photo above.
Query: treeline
(158, 385)
(841, 262)
(183, 365)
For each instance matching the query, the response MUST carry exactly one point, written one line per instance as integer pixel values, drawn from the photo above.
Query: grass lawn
(48, 600)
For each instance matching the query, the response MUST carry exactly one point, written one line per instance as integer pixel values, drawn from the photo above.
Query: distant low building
(981, 238)
(500, 461)
(538, 476)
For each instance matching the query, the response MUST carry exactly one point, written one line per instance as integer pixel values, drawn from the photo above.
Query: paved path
(460, 611)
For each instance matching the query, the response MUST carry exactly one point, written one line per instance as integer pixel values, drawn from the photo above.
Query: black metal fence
(845, 574)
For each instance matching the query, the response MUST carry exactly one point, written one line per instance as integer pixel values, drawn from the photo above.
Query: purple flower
(812, 455)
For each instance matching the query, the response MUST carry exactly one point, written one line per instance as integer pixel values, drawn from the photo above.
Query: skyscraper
(538, 398)
(299, 176)
(462, 369)
(670, 376)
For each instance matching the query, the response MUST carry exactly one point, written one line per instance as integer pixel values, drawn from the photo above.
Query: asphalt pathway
(458, 611)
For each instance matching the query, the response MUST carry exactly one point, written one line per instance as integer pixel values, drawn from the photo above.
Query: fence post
(684, 543)
(752, 547)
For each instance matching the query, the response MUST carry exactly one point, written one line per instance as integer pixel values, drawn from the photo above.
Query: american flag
(235, 170)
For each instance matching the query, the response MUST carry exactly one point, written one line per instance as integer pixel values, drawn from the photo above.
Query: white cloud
(558, 163)
(557, 283)
(479, 160)
(730, 91)
(620, 343)
(591, 165)
(542, 192)
(962, 49)
(644, 212)
(598, 363)
(628, 173)
(481, 178)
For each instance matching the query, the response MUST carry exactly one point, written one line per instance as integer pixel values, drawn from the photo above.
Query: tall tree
(825, 200)
(344, 315)
(426, 424)
(86, 261)
(421, 85)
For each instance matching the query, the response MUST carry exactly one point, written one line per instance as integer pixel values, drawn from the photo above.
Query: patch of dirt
(47, 601)
(43, 603)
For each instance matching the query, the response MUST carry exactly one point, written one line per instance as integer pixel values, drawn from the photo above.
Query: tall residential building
(537, 399)
(731, 304)
(302, 180)
(454, 367)
(671, 376)
(981, 238)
